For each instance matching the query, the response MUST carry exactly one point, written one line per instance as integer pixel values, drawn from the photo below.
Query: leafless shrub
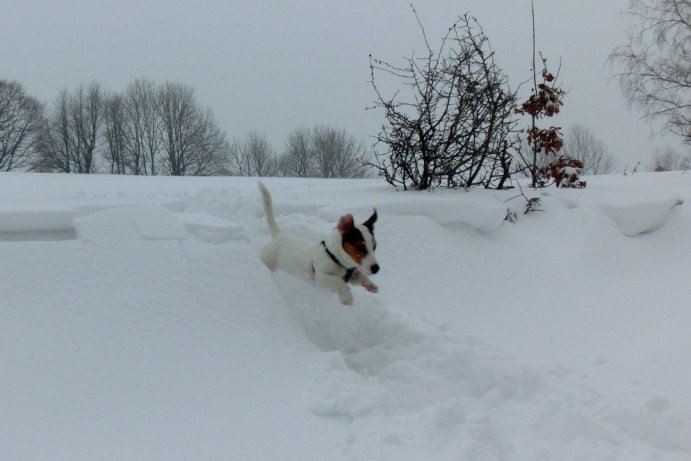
(456, 127)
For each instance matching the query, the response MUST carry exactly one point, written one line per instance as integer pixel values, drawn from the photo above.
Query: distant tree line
(155, 129)
(148, 129)
(318, 152)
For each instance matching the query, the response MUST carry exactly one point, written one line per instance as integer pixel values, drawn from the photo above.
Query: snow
(641, 218)
(26, 221)
(137, 322)
(148, 222)
(483, 215)
(210, 229)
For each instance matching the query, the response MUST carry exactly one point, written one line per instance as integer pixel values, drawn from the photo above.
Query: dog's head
(358, 243)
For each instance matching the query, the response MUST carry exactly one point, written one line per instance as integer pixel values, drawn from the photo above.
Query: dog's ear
(345, 223)
(369, 224)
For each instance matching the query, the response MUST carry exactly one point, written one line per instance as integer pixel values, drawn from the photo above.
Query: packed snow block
(157, 223)
(37, 223)
(36, 219)
(484, 216)
(641, 218)
(211, 229)
(147, 222)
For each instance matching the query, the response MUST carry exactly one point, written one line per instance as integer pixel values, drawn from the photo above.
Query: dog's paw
(371, 287)
(346, 297)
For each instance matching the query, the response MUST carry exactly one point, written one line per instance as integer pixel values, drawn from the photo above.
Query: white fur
(295, 254)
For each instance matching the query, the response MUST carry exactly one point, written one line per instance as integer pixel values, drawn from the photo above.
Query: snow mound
(147, 222)
(36, 223)
(641, 218)
(484, 216)
(410, 388)
(211, 229)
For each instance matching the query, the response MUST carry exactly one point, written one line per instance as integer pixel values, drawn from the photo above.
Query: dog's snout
(374, 268)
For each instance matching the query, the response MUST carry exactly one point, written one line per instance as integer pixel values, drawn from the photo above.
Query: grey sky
(271, 66)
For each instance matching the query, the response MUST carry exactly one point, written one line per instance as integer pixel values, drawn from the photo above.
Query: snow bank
(641, 218)
(211, 229)
(148, 222)
(484, 216)
(21, 221)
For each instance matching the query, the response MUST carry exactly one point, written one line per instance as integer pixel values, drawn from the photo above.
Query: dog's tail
(269, 210)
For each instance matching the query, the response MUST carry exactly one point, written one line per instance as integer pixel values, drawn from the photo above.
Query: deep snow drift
(137, 322)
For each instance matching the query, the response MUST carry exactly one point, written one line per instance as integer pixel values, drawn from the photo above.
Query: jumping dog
(346, 256)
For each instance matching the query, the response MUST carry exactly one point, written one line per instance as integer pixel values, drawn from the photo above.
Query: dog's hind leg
(269, 256)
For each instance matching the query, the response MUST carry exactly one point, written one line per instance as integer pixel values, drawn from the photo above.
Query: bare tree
(253, 156)
(190, 138)
(71, 135)
(56, 141)
(457, 128)
(298, 158)
(655, 65)
(21, 122)
(87, 114)
(337, 153)
(323, 152)
(116, 135)
(143, 127)
(178, 114)
(211, 154)
(581, 144)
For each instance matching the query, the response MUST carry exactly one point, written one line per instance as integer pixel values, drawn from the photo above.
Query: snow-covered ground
(137, 323)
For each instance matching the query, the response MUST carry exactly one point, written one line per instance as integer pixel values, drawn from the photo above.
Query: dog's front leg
(336, 283)
(361, 279)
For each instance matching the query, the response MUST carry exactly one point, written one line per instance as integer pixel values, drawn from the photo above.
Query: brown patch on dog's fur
(353, 244)
(352, 251)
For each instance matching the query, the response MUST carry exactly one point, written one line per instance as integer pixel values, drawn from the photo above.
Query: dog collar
(349, 272)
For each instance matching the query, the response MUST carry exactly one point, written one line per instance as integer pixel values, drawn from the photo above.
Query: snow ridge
(641, 218)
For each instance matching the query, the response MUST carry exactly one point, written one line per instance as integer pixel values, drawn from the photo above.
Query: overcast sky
(271, 66)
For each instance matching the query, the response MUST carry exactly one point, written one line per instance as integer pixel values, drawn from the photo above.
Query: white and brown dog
(345, 256)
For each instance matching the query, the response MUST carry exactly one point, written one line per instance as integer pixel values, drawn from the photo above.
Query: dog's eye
(361, 247)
